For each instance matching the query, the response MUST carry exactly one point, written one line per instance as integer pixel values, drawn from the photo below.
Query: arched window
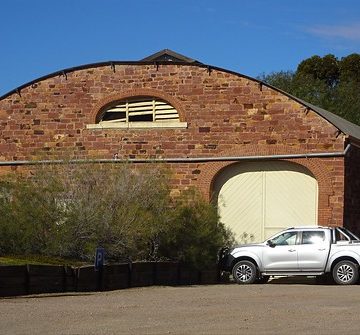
(139, 112)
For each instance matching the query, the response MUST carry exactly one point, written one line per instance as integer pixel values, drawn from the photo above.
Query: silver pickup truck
(301, 251)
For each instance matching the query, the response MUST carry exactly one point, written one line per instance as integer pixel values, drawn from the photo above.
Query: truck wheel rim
(244, 272)
(345, 273)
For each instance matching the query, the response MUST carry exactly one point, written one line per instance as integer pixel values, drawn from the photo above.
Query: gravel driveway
(280, 307)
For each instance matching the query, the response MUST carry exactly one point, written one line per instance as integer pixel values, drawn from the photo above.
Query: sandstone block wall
(227, 114)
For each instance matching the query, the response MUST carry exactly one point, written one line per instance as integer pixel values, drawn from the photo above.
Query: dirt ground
(279, 307)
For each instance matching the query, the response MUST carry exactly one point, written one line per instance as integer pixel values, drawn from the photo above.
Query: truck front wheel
(345, 273)
(244, 272)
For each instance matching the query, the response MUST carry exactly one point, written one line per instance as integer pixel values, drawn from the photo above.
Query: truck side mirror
(271, 244)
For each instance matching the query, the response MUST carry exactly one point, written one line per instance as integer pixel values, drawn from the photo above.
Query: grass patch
(37, 260)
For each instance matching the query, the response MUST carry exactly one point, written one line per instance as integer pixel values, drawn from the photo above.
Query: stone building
(269, 159)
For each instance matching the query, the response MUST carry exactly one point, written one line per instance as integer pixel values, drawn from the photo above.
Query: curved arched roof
(169, 57)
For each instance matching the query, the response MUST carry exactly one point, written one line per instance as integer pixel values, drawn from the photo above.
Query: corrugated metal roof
(345, 126)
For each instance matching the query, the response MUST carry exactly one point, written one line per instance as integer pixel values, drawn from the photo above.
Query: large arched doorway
(257, 199)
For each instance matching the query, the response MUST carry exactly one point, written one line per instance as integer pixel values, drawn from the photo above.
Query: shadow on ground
(298, 280)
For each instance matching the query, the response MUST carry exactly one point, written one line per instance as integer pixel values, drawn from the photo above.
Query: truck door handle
(292, 250)
(322, 249)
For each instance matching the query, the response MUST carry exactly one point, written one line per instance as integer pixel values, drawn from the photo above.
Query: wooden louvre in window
(144, 109)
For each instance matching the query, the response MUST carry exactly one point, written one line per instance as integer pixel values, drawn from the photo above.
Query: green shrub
(68, 210)
(196, 234)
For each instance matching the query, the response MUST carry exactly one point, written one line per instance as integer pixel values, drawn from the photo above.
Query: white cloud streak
(349, 32)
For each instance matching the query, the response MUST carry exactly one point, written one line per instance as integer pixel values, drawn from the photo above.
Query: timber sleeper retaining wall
(37, 279)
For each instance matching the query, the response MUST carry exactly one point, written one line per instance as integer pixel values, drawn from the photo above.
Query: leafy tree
(350, 68)
(324, 68)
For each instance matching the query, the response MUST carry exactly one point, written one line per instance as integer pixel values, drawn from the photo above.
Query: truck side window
(339, 236)
(313, 237)
(288, 238)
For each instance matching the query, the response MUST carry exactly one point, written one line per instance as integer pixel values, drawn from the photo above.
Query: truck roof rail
(309, 227)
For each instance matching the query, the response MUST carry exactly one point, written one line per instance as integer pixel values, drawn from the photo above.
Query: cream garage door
(258, 199)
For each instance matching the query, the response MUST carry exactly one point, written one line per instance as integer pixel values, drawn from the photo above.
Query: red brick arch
(110, 99)
(316, 166)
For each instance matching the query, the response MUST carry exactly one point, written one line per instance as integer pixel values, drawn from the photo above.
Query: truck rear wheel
(244, 272)
(345, 273)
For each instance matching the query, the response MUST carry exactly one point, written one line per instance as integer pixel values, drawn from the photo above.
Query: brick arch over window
(315, 165)
(110, 99)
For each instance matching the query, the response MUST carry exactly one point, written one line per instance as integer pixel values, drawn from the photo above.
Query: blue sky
(38, 37)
